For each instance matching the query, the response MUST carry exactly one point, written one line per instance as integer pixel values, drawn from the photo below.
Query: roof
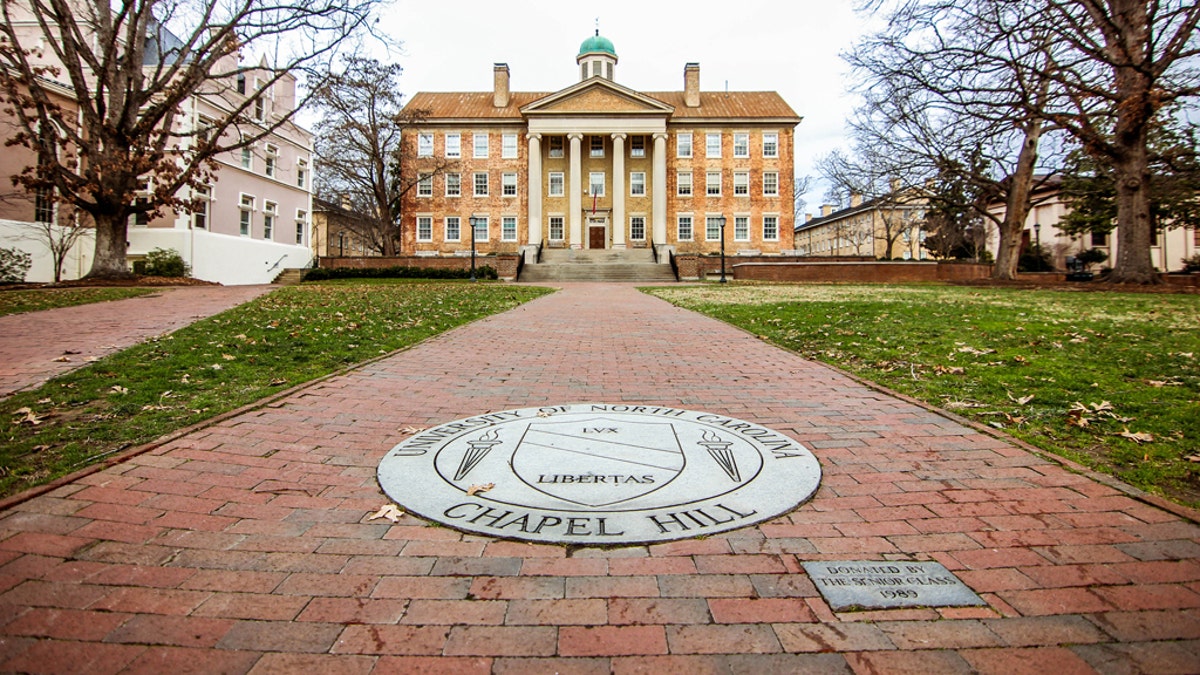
(887, 202)
(597, 44)
(747, 105)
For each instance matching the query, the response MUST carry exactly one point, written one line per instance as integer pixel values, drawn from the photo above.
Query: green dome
(597, 43)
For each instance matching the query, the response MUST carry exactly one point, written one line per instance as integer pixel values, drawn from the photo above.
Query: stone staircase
(635, 264)
(289, 277)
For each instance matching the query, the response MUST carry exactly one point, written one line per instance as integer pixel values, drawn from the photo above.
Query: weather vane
(597, 25)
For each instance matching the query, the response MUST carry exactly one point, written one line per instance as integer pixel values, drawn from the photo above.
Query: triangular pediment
(597, 96)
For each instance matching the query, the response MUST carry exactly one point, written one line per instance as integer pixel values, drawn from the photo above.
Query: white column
(658, 180)
(575, 190)
(535, 190)
(618, 183)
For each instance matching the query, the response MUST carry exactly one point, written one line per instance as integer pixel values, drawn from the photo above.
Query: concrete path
(245, 547)
(40, 345)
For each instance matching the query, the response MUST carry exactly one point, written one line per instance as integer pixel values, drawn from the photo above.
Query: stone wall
(505, 265)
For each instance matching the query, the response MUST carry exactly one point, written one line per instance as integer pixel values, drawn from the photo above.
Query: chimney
(807, 217)
(895, 184)
(826, 209)
(855, 200)
(500, 89)
(691, 85)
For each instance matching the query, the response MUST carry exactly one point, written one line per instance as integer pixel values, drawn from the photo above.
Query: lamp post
(341, 243)
(721, 220)
(474, 224)
(1037, 237)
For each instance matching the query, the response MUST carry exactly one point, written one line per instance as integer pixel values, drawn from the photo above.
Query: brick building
(599, 166)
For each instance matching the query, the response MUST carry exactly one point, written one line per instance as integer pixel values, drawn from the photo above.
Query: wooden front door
(596, 236)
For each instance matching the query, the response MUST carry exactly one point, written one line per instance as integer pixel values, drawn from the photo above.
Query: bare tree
(358, 145)
(800, 186)
(98, 91)
(58, 238)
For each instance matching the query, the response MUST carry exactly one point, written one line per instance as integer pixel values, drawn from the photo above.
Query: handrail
(272, 267)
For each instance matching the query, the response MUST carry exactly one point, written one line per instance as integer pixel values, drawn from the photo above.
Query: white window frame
(554, 223)
(712, 227)
(596, 146)
(770, 183)
(302, 173)
(683, 188)
(709, 149)
(453, 145)
(633, 236)
(480, 143)
(301, 225)
(592, 183)
(508, 228)
(637, 146)
(683, 144)
(424, 185)
(425, 220)
(246, 217)
(561, 184)
(637, 179)
(486, 226)
(270, 215)
(508, 184)
(200, 215)
(425, 144)
(270, 159)
(555, 145)
(486, 184)
(741, 144)
(712, 188)
(454, 184)
(770, 217)
(457, 224)
(691, 227)
(247, 159)
(508, 146)
(770, 143)
(741, 227)
(741, 183)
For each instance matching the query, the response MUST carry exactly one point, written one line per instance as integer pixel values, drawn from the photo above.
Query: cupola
(597, 58)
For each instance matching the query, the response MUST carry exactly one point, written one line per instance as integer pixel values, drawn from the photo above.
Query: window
(200, 212)
(246, 221)
(556, 184)
(302, 173)
(453, 185)
(712, 228)
(508, 185)
(637, 146)
(770, 184)
(596, 183)
(713, 184)
(43, 205)
(481, 183)
(741, 183)
(712, 145)
(556, 146)
(269, 212)
(508, 146)
(770, 228)
(260, 108)
(248, 158)
(453, 145)
(683, 145)
(741, 145)
(1099, 239)
(684, 184)
(556, 228)
(301, 225)
(204, 127)
(424, 144)
(597, 146)
(685, 228)
(741, 228)
(637, 184)
(480, 146)
(424, 228)
(452, 228)
(508, 228)
(272, 157)
(770, 144)
(480, 225)
(637, 228)
(424, 185)
(241, 83)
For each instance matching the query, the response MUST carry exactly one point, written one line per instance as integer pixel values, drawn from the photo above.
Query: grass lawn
(288, 337)
(13, 302)
(1111, 380)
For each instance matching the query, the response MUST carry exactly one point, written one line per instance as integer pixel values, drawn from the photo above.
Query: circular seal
(599, 474)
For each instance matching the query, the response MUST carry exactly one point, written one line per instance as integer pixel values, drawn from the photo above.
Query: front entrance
(597, 232)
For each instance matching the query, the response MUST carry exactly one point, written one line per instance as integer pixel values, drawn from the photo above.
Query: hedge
(323, 273)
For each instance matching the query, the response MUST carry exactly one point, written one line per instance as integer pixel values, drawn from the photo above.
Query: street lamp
(474, 225)
(1037, 237)
(721, 220)
(341, 243)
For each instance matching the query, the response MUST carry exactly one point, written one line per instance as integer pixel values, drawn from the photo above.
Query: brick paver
(245, 546)
(39, 345)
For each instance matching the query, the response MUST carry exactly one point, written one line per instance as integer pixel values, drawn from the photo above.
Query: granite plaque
(887, 584)
(599, 474)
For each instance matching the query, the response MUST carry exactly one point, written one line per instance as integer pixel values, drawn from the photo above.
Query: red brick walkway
(37, 346)
(245, 547)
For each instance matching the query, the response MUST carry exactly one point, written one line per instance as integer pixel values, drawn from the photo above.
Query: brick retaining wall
(775, 268)
(504, 264)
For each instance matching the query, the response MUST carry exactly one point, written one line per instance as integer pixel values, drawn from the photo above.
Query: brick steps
(598, 265)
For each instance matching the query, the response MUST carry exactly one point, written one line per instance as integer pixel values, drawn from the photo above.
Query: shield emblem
(598, 461)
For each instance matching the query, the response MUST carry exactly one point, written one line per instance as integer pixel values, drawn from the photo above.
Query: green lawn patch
(280, 340)
(1111, 380)
(33, 300)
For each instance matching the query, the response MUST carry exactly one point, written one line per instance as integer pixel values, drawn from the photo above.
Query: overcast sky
(791, 47)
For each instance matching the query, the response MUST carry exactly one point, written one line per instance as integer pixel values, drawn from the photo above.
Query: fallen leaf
(1138, 437)
(949, 370)
(411, 430)
(1014, 420)
(62, 359)
(116, 388)
(1193, 458)
(1103, 406)
(277, 381)
(228, 357)
(1020, 359)
(476, 489)
(1020, 401)
(972, 350)
(30, 416)
(184, 379)
(389, 511)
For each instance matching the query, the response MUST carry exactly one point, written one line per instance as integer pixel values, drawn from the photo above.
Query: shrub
(1035, 259)
(1192, 263)
(165, 263)
(323, 273)
(1092, 256)
(14, 264)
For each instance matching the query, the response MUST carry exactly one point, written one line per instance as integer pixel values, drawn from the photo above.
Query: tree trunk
(1131, 169)
(109, 261)
(1016, 208)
